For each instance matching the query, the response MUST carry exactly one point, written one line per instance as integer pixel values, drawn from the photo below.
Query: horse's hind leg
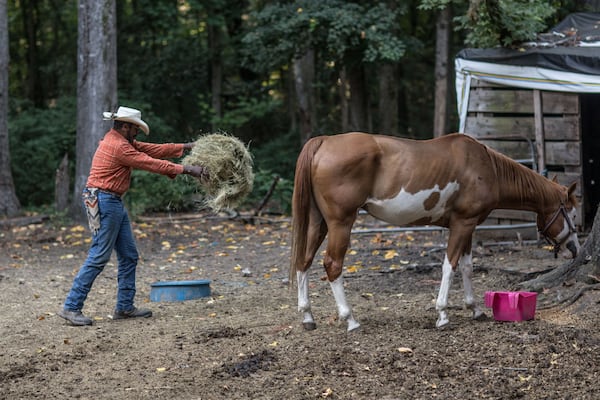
(316, 235)
(466, 267)
(339, 237)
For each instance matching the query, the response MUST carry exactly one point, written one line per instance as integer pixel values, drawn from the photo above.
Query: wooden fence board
(521, 102)
(555, 128)
(557, 153)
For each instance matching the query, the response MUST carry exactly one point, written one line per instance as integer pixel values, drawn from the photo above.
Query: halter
(561, 210)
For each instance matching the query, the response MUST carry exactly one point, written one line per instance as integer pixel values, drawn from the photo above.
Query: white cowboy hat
(128, 115)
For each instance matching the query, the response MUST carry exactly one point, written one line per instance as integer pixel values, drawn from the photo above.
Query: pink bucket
(511, 306)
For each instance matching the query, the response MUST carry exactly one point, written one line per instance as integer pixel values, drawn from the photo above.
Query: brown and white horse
(452, 181)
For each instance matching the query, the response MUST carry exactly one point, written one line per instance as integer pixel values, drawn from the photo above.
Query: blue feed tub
(179, 290)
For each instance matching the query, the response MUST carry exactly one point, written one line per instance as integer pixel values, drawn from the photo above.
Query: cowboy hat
(127, 114)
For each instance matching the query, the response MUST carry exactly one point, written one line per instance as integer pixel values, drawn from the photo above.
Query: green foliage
(246, 110)
(39, 138)
(278, 155)
(504, 22)
(275, 158)
(155, 193)
(280, 201)
(43, 49)
(492, 23)
(343, 31)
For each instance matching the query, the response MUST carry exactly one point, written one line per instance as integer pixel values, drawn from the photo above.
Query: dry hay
(229, 166)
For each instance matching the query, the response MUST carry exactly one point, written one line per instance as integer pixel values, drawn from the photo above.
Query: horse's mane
(523, 181)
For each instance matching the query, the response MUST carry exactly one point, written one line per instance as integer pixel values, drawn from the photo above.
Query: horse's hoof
(442, 323)
(352, 327)
(309, 326)
(480, 317)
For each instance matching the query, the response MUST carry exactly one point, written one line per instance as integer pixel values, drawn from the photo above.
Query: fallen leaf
(390, 254)
(524, 378)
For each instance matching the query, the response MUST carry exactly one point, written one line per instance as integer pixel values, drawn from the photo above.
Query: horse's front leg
(304, 302)
(441, 304)
(466, 267)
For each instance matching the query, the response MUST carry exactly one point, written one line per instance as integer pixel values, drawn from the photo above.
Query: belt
(107, 192)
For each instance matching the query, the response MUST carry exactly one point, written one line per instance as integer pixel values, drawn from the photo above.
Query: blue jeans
(114, 234)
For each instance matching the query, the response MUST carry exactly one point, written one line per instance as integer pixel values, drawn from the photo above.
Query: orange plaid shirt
(115, 158)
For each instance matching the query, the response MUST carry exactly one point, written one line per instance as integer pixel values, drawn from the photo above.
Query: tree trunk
(344, 92)
(359, 120)
(9, 204)
(442, 45)
(96, 85)
(388, 100)
(580, 273)
(216, 70)
(304, 75)
(61, 185)
(30, 16)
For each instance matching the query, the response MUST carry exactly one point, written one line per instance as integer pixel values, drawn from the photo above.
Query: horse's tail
(302, 202)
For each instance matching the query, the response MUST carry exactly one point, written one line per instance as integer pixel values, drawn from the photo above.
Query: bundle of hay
(229, 165)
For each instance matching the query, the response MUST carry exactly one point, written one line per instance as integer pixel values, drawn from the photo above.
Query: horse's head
(558, 224)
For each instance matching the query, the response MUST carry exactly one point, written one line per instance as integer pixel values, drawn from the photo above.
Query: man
(116, 156)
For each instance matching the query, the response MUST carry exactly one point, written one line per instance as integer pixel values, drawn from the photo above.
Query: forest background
(271, 73)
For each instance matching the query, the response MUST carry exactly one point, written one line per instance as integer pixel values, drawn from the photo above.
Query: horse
(452, 181)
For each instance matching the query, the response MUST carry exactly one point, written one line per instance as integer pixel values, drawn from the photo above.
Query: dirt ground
(246, 341)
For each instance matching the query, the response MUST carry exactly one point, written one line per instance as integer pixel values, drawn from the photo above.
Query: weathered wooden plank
(557, 153)
(502, 216)
(513, 215)
(540, 137)
(520, 101)
(555, 128)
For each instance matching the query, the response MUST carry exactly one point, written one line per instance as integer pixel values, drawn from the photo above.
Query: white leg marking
(303, 300)
(466, 266)
(344, 310)
(442, 300)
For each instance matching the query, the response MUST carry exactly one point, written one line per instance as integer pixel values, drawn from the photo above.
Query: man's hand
(198, 172)
(189, 146)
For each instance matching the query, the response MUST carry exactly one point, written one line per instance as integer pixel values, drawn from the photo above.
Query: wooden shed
(540, 105)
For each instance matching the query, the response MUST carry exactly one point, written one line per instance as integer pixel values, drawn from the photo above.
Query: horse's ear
(572, 187)
(555, 178)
